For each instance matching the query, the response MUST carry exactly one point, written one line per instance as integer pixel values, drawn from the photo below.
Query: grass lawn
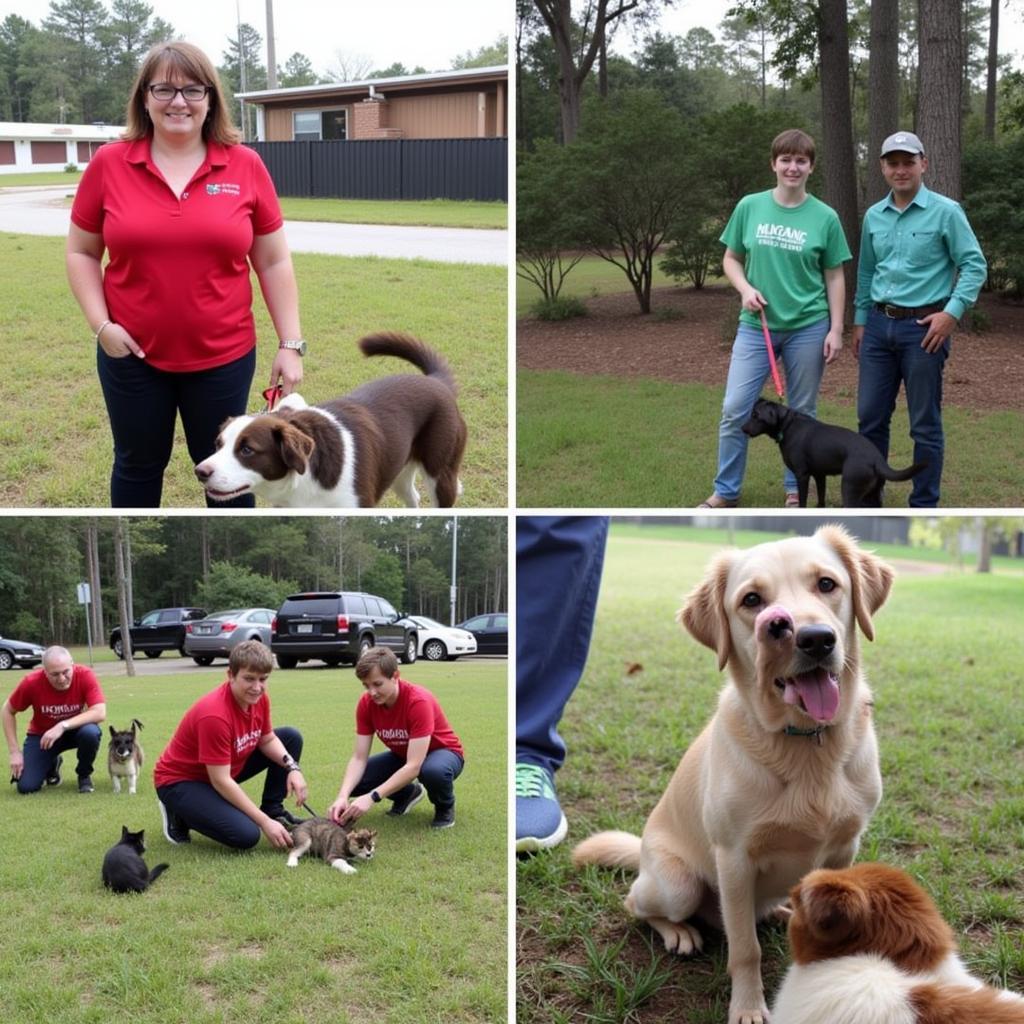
(602, 442)
(945, 671)
(418, 934)
(436, 213)
(55, 445)
(40, 178)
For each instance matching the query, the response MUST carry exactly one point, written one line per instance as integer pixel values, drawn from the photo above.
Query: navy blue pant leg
(85, 741)
(275, 788)
(559, 561)
(143, 403)
(438, 773)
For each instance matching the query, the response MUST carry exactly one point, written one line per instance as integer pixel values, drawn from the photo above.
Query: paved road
(44, 211)
(167, 664)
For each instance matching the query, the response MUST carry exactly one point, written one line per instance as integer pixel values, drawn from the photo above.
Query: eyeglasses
(190, 93)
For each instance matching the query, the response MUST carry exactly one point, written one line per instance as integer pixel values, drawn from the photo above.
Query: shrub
(71, 168)
(565, 307)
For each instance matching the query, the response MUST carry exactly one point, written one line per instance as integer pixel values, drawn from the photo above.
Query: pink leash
(771, 355)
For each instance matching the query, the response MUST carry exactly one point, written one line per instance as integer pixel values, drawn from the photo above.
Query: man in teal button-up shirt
(920, 270)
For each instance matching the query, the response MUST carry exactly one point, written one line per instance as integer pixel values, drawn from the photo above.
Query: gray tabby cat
(334, 843)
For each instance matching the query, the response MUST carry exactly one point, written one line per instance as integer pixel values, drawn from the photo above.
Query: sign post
(85, 597)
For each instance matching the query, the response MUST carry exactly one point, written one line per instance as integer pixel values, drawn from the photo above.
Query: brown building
(469, 104)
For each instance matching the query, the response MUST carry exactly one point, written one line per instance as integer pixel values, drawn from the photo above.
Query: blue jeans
(891, 354)
(559, 561)
(802, 353)
(202, 808)
(143, 403)
(438, 773)
(39, 763)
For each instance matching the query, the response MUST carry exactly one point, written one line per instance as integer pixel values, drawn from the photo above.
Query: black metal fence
(389, 168)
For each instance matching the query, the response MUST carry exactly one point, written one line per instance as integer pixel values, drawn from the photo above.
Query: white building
(50, 147)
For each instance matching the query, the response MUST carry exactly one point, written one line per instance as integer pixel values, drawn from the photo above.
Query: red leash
(771, 355)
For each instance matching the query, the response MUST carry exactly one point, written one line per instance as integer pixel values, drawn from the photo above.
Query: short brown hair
(794, 141)
(191, 63)
(377, 657)
(253, 655)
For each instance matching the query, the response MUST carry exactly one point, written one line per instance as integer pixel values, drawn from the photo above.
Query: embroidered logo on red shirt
(223, 189)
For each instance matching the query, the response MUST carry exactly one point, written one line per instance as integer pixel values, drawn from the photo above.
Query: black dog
(813, 449)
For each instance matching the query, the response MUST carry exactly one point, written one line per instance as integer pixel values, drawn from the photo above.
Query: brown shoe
(717, 501)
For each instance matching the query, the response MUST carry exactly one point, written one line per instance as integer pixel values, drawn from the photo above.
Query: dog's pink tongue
(819, 692)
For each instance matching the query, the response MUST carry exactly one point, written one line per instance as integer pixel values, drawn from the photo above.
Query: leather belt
(903, 313)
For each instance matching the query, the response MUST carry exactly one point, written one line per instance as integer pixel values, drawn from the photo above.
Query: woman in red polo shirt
(181, 211)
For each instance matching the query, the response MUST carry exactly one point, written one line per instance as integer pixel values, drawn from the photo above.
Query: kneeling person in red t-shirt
(224, 739)
(409, 721)
(67, 707)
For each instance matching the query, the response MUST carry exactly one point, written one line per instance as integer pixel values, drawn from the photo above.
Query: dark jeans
(39, 763)
(891, 354)
(143, 402)
(438, 773)
(202, 808)
(558, 566)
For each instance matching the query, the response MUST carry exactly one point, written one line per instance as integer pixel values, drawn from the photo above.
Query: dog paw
(749, 1016)
(292, 863)
(679, 937)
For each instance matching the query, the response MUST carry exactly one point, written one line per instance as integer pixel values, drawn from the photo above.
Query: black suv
(336, 627)
(157, 631)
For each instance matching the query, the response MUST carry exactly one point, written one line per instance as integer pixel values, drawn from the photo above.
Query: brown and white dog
(785, 776)
(346, 453)
(124, 757)
(869, 945)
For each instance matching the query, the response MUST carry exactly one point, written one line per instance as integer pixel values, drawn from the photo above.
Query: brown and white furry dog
(124, 757)
(347, 453)
(870, 947)
(334, 843)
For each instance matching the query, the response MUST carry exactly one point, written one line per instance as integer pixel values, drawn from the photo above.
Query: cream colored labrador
(785, 777)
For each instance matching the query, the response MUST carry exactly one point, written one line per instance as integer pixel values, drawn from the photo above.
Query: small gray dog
(124, 757)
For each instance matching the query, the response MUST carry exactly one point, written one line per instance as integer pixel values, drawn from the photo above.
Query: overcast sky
(687, 14)
(411, 32)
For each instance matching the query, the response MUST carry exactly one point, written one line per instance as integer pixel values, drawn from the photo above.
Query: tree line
(230, 562)
(78, 64)
(649, 154)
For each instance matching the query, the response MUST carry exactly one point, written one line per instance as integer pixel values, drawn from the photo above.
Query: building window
(317, 125)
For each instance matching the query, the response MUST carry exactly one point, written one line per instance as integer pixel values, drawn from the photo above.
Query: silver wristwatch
(296, 346)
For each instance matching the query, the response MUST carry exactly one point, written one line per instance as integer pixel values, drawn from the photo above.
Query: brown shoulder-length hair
(191, 63)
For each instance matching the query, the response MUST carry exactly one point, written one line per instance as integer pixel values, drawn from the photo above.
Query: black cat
(124, 870)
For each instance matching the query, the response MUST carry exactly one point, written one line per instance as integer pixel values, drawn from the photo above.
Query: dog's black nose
(816, 641)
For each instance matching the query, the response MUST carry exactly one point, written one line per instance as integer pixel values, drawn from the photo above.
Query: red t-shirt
(50, 705)
(215, 730)
(178, 276)
(414, 715)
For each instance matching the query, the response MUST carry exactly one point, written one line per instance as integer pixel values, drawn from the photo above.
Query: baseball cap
(902, 142)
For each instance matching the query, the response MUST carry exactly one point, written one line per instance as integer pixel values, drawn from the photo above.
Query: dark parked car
(335, 627)
(490, 630)
(218, 634)
(17, 652)
(157, 631)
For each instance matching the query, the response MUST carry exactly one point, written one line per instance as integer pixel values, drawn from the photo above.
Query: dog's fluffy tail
(609, 850)
(412, 350)
(157, 872)
(888, 473)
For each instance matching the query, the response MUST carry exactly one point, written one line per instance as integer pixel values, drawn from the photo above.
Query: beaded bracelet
(99, 331)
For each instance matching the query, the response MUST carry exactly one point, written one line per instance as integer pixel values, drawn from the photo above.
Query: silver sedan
(216, 635)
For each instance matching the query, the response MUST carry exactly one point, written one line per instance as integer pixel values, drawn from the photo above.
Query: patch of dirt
(688, 338)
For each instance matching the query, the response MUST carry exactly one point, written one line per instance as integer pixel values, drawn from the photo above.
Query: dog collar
(792, 730)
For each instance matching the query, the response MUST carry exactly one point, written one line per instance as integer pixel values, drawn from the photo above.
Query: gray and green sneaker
(540, 823)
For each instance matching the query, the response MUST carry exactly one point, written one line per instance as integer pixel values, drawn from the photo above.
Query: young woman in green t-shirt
(784, 254)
